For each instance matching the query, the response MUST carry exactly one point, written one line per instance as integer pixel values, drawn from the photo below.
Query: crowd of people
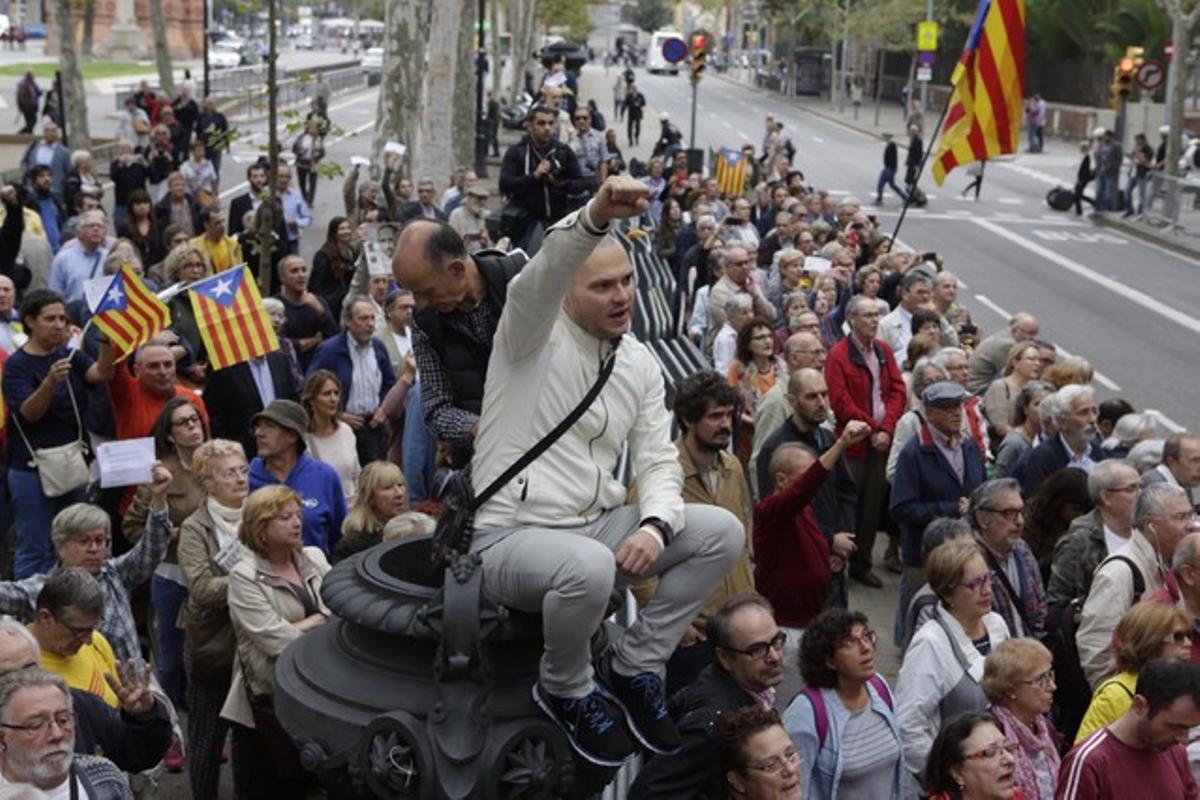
(1046, 543)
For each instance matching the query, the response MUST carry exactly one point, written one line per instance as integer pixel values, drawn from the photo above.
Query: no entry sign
(674, 50)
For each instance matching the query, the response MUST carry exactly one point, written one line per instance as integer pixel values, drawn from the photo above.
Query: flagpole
(921, 169)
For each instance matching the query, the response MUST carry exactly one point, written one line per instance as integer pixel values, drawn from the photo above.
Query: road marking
(1011, 201)
(1080, 236)
(352, 132)
(744, 136)
(727, 125)
(1116, 287)
(818, 139)
(1099, 377)
(1168, 423)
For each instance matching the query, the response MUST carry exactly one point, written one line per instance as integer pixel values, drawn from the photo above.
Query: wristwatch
(661, 526)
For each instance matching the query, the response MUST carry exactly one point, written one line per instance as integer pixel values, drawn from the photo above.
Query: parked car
(372, 60)
(304, 42)
(221, 58)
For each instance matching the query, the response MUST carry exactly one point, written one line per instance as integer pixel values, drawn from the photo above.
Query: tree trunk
(162, 57)
(399, 107)
(494, 46)
(524, 29)
(435, 156)
(74, 97)
(269, 223)
(89, 25)
(464, 84)
(1177, 79)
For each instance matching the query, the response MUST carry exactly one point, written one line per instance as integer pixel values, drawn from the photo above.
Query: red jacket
(849, 383)
(791, 554)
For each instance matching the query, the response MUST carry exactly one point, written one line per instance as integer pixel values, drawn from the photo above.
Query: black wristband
(661, 526)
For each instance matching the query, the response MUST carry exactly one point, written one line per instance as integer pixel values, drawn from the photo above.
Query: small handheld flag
(129, 314)
(232, 322)
(730, 171)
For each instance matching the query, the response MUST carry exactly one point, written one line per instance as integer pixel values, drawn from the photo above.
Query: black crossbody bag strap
(1013, 595)
(553, 436)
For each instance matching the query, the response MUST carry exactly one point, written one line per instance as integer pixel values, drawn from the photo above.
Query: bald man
(134, 737)
(799, 351)
(560, 535)
(459, 299)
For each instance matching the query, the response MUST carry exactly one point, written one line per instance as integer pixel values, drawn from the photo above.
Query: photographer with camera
(540, 179)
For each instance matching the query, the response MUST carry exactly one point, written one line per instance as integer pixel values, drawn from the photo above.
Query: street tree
(74, 97)
(524, 26)
(1184, 15)
(571, 15)
(463, 127)
(435, 141)
(652, 15)
(269, 224)
(399, 105)
(162, 56)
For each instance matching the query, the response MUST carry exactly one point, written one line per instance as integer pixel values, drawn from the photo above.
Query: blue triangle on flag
(731, 156)
(222, 287)
(115, 297)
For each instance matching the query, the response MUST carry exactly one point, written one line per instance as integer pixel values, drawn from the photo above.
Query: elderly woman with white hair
(1127, 432)
(82, 179)
(82, 537)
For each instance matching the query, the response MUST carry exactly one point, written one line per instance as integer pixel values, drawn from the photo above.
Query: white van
(655, 63)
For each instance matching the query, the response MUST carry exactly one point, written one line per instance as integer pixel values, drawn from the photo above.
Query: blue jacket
(334, 355)
(822, 764)
(1042, 461)
(320, 491)
(925, 488)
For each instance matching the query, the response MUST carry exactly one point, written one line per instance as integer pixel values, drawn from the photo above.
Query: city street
(1127, 306)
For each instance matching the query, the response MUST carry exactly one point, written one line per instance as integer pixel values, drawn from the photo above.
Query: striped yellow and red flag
(730, 171)
(232, 322)
(984, 116)
(129, 314)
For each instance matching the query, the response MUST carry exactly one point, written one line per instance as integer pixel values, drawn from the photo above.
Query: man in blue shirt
(296, 214)
(41, 198)
(74, 266)
(279, 434)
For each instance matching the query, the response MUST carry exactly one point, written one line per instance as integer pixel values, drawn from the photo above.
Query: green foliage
(652, 15)
(569, 14)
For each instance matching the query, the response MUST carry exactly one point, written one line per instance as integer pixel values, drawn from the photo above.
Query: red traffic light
(700, 42)
(1127, 66)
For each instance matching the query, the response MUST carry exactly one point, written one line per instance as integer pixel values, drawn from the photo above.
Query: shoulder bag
(61, 469)
(455, 527)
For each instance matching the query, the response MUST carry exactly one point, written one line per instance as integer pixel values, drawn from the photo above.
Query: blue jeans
(167, 597)
(33, 512)
(887, 177)
(419, 450)
(1106, 186)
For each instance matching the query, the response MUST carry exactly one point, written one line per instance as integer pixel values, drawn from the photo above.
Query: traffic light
(1122, 85)
(700, 44)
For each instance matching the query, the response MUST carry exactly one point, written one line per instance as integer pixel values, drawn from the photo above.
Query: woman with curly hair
(842, 723)
(758, 759)
(753, 372)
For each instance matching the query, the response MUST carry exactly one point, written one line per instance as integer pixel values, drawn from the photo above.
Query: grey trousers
(568, 574)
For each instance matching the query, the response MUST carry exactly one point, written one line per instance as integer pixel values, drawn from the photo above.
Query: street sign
(674, 50)
(927, 36)
(926, 59)
(1151, 75)
(924, 74)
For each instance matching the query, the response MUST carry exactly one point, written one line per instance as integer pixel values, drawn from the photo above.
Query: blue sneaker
(593, 723)
(644, 701)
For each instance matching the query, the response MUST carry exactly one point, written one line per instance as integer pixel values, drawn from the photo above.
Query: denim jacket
(824, 766)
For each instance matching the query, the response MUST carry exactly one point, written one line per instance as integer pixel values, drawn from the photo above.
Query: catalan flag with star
(730, 171)
(232, 321)
(128, 313)
(983, 119)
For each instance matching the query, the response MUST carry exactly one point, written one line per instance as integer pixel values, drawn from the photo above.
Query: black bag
(455, 526)
(211, 644)
(1060, 198)
(275, 742)
(513, 221)
(917, 198)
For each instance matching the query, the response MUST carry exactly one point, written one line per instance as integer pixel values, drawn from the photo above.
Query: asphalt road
(1129, 307)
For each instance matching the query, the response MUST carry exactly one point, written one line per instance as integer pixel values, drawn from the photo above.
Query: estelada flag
(730, 171)
(232, 321)
(983, 119)
(128, 313)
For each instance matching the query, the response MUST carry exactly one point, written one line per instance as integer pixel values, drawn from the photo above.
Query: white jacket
(1110, 596)
(927, 675)
(542, 365)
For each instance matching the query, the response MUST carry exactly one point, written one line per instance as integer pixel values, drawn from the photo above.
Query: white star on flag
(114, 295)
(223, 288)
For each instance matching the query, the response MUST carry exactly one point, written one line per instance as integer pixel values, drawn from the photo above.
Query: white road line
(818, 139)
(1010, 201)
(1100, 377)
(1116, 287)
(352, 132)
(744, 136)
(1168, 423)
(727, 125)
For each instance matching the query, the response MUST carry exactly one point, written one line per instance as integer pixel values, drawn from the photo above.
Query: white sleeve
(1102, 610)
(918, 692)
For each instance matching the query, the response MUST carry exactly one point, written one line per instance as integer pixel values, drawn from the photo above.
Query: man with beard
(1074, 446)
(37, 737)
(747, 665)
(704, 406)
(256, 177)
(1143, 753)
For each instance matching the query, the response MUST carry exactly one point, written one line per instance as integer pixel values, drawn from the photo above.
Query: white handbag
(61, 469)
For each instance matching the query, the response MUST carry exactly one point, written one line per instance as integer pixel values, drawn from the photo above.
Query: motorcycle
(513, 115)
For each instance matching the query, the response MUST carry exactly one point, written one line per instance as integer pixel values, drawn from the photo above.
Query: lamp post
(481, 133)
(206, 12)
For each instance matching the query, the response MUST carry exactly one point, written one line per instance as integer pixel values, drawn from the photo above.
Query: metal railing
(290, 93)
(1172, 203)
(222, 82)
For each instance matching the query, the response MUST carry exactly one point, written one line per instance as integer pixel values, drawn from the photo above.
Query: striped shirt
(1105, 768)
(365, 379)
(869, 755)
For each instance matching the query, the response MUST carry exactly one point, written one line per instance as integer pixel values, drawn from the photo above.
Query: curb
(1139, 231)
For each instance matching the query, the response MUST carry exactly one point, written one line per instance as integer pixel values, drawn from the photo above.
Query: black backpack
(1073, 693)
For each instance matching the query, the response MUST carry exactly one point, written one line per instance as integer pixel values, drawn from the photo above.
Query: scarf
(226, 521)
(1030, 783)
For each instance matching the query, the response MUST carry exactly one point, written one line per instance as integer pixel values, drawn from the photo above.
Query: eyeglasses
(993, 751)
(1181, 638)
(186, 422)
(1043, 681)
(99, 540)
(1133, 488)
(865, 639)
(975, 584)
(740, 262)
(1181, 517)
(776, 765)
(233, 473)
(759, 650)
(1010, 514)
(80, 634)
(65, 720)
(868, 314)
(583, 119)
